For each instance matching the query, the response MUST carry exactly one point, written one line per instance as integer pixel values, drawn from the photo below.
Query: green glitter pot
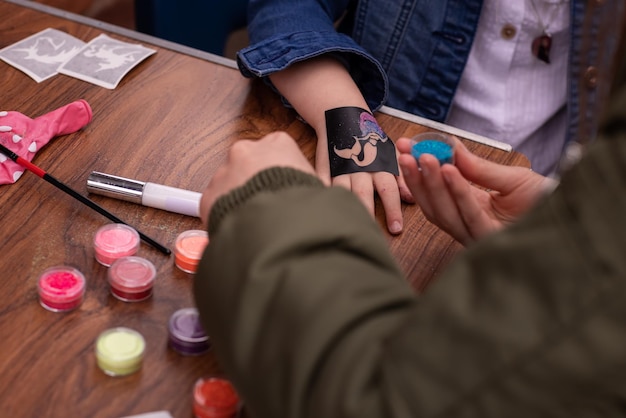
(437, 144)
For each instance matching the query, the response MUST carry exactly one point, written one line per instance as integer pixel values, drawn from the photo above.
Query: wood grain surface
(171, 121)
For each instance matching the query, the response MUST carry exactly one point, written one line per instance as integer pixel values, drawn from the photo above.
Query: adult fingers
(444, 211)
(470, 205)
(485, 173)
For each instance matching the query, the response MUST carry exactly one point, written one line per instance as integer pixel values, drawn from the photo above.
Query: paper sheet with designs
(40, 55)
(103, 61)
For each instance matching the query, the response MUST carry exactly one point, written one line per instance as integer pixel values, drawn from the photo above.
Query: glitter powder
(61, 288)
(131, 278)
(119, 351)
(215, 398)
(115, 241)
(186, 335)
(189, 248)
(436, 144)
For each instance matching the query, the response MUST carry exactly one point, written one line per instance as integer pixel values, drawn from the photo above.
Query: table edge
(227, 62)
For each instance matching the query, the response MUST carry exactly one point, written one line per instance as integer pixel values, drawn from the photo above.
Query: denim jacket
(410, 54)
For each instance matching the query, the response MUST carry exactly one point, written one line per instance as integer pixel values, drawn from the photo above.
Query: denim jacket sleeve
(283, 32)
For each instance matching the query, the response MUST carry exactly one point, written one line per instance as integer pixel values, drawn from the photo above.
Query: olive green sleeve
(310, 316)
(295, 284)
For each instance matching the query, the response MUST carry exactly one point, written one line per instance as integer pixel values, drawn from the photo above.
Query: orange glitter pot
(189, 248)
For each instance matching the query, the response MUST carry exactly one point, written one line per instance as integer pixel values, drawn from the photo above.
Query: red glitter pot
(215, 398)
(131, 278)
(61, 288)
(113, 241)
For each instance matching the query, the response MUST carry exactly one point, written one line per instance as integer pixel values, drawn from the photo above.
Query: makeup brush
(65, 188)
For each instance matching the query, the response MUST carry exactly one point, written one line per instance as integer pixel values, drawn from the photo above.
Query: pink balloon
(25, 136)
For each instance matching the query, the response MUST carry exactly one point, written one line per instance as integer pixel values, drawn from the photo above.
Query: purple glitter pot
(441, 146)
(186, 335)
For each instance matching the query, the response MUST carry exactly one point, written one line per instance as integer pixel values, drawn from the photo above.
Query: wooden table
(172, 121)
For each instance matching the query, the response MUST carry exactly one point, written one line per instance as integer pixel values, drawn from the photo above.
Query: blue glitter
(441, 150)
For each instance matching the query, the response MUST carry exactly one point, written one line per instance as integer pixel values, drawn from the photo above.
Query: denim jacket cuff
(276, 54)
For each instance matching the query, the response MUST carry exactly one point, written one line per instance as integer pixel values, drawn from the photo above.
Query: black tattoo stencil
(356, 143)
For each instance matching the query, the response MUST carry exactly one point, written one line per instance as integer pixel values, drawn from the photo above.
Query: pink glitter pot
(61, 288)
(113, 241)
(131, 278)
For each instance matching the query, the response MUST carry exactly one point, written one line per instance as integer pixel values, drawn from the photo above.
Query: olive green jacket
(310, 316)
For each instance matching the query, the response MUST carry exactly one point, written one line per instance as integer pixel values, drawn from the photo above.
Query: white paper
(40, 55)
(104, 61)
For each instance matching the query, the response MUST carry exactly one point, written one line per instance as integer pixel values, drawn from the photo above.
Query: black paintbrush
(65, 188)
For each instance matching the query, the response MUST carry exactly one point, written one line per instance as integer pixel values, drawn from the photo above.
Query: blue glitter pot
(441, 146)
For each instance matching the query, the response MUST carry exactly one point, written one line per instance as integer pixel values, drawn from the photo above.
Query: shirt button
(508, 31)
(591, 77)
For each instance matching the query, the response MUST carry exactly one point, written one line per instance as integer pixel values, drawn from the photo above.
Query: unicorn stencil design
(110, 55)
(34, 52)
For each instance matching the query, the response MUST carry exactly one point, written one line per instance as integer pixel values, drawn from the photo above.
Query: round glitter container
(119, 351)
(131, 278)
(215, 398)
(189, 248)
(437, 144)
(186, 335)
(61, 288)
(113, 241)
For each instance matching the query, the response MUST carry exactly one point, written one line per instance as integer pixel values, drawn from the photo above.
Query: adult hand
(390, 189)
(449, 197)
(249, 157)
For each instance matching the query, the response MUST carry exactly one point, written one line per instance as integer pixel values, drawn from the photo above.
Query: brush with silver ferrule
(185, 202)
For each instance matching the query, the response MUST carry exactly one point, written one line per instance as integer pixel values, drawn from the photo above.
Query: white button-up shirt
(507, 93)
